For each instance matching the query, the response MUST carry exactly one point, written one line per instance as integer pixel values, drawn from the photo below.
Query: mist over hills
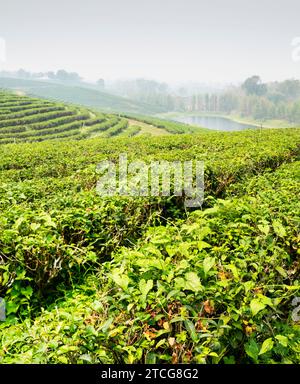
(78, 94)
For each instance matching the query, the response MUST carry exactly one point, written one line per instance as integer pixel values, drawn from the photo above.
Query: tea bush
(214, 288)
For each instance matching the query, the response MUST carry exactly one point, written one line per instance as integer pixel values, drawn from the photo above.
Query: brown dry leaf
(295, 268)
(208, 308)
(150, 334)
(200, 327)
(174, 358)
(188, 355)
(166, 326)
(160, 322)
(153, 314)
(129, 322)
(222, 276)
(249, 330)
(91, 319)
(171, 341)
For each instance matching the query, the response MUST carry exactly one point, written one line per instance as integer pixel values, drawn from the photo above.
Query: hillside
(78, 95)
(29, 119)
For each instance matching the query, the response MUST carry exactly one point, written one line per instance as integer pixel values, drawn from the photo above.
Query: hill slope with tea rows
(128, 279)
(27, 119)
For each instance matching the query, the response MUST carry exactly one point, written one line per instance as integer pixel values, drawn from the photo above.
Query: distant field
(85, 96)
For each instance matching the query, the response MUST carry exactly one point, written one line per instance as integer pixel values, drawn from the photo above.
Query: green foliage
(253, 85)
(138, 280)
(205, 290)
(131, 131)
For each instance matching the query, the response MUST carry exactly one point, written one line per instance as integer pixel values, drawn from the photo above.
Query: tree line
(276, 100)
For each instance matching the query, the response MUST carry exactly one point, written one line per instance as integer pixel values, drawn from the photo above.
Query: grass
(147, 128)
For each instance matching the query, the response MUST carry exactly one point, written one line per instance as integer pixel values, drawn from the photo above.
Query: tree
(289, 88)
(254, 86)
(276, 97)
(294, 112)
(229, 101)
(51, 75)
(63, 75)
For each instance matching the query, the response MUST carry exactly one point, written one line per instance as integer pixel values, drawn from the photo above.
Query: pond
(214, 122)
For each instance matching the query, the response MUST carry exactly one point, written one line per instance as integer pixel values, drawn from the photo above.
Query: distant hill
(78, 95)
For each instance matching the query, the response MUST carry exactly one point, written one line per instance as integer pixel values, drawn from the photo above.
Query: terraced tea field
(29, 119)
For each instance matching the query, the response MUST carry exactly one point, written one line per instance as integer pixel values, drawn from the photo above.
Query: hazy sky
(171, 40)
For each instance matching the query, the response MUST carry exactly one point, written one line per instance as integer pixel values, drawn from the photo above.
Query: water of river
(214, 122)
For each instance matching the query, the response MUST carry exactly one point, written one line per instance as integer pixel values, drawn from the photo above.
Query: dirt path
(147, 128)
(92, 114)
